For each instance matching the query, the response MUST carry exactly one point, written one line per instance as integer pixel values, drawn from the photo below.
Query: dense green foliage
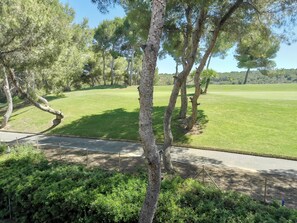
(40, 191)
(42, 45)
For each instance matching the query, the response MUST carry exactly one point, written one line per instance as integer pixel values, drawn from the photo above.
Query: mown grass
(258, 119)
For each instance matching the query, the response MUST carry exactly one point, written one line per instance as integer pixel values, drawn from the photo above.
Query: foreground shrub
(39, 191)
(3, 148)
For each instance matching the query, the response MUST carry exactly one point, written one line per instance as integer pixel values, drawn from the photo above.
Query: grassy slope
(251, 118)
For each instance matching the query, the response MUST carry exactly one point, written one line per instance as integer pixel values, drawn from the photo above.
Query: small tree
(256, 50)
(206, 76)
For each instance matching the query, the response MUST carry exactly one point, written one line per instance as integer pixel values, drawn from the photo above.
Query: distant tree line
(256, 77)
(279, 76)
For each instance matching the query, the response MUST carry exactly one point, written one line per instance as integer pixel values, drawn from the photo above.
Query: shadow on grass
(54, 97)
(25, 103)
(16, 106)
(121, 124)
(103, 87)
(202, 119)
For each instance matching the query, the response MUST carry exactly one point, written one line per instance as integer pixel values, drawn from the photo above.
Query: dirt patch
(278, 185)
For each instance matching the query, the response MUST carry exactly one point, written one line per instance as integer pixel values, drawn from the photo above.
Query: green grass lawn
(253, 118)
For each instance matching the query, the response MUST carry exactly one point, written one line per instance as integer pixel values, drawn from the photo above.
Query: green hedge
(40, 191)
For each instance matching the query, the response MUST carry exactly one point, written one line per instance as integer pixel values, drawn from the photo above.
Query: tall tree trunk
(7, 92)
(92, 80)
(206, 85)
(131, 67)
(145, 115)
(59, 115)
(194, 100)
(176, 71)
(193, 118)
(104, 65)
(112, 71)
(129, 79)
(208, 78)
(168, 137)
(184, 101)
(246, 76)
(176, 67)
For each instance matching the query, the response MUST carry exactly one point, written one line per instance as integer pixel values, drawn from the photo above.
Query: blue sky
(286, 57)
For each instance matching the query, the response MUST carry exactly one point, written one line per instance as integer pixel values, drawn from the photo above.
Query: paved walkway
(194, 156)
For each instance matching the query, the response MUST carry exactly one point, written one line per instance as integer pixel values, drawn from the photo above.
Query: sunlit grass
(251, 118)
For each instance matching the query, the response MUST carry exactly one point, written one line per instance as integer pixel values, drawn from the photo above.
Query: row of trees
(192, 34)
(35, 54)
(276, 76)
(256, 77)
(111, 54)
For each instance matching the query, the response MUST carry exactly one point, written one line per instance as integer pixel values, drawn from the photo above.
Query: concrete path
(186, 155)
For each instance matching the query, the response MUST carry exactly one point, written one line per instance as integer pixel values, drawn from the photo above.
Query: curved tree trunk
(168, 137)
(42, 99)
(206, 85)
(193, 119)
(184, 101)
(176, 68)
(194, 100)
(208, 79)
(7, 92)
(246, 76)
(59, 115)
(176, 71)
(145, 115)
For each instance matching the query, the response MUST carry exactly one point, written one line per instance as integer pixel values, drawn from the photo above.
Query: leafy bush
(40, 191)
(3, 148)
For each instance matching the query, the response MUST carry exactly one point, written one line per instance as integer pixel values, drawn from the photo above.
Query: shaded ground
(248, 182)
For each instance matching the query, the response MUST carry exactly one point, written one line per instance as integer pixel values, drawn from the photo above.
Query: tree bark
(112, 71)
(246, 76)
(131, 67)
(59, 115)
(176, 71)
(168, 137)
(193, 118)
(42, 99)
(184, 101)
(208, 78)
(104, 64)
(146, 107)
(206, 85)
(194, 100)
(7, 92)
